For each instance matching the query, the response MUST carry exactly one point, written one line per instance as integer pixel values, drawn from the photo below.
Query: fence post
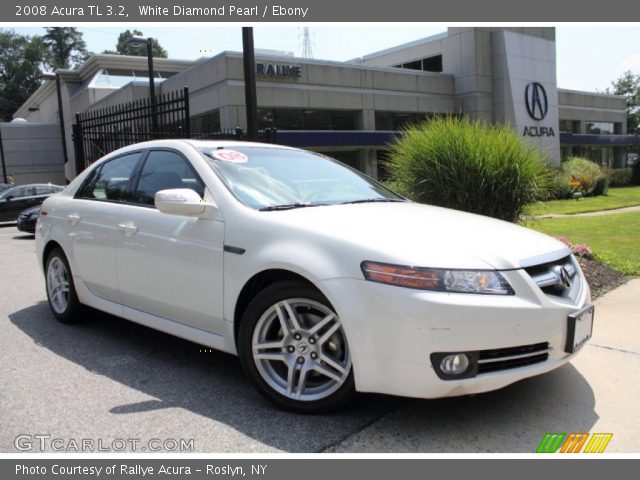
(187, 112)
(78, 145)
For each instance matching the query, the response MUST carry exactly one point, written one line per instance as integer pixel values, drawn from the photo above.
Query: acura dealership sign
(537, 103)
(278, 71)
(535, 98)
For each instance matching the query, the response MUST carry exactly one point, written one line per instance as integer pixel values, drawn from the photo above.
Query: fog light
(455, 364)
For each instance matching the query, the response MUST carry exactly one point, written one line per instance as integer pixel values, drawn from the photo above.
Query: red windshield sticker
(231, 156)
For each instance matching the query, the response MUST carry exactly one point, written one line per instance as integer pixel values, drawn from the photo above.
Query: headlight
(486, 282)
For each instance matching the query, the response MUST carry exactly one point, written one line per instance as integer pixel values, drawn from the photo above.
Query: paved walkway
(591, 214)
(597, 392)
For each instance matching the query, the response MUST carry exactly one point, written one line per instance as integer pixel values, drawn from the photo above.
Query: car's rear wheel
(293, 346)
(61, 291)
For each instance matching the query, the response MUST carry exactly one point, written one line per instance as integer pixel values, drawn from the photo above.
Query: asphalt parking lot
(110, 379)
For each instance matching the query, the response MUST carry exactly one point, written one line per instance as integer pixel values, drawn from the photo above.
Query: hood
(420, 235)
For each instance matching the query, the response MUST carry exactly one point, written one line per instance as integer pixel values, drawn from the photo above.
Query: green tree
(628, 86)
(21, 61)
(125, 48)
(67, 48)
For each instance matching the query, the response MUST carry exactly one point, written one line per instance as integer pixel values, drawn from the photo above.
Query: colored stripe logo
(574, 443)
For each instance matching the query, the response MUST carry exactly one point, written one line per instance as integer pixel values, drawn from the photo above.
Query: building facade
(352, 109)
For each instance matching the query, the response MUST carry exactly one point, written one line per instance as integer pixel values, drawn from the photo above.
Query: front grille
(512, 357)
(559, 278)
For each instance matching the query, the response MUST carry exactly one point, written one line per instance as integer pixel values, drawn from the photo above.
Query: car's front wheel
(61, 292)
(293, 346)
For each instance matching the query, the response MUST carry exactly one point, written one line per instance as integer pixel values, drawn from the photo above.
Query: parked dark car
(28, 218)
(16, 199)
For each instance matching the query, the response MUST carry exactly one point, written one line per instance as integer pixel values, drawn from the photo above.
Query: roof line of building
(341, 64)
(397, 48)
(583, 92)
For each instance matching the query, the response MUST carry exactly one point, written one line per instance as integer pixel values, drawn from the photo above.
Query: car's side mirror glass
(183, 201)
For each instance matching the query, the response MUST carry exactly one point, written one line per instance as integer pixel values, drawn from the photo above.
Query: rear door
(92, 219)
(170, 265)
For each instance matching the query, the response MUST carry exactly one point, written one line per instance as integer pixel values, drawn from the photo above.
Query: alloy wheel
(300, 349)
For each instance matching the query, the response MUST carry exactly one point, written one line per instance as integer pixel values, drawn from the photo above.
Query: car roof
(204, 144)
(37, 185)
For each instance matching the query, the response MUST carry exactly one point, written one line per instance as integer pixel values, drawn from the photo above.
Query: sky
(588, 57)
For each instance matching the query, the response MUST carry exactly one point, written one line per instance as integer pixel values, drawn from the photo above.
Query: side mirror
(9, 198)
(183, 201)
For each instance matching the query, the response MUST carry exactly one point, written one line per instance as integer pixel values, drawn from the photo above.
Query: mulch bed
(601, 278)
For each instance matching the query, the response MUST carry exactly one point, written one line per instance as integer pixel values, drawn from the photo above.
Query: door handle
(74, 218)
(127, 228)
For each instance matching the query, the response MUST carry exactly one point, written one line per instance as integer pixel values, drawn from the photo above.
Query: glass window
(295, 119)
(164, 170)
(570, 126)
(348, 157)
(344, 120)
(265, 178)
(110, 181)
(432, 64)
(399, 120)
(415, 65)
(207, 123)
(317, 120)
(265, 118)
(599, 128)
(289, 119)
(16, 192)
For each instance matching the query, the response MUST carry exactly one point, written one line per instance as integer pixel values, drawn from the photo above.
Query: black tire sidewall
(73, 310)
(264, 300)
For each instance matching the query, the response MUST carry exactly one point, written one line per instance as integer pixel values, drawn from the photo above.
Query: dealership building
(354, 109)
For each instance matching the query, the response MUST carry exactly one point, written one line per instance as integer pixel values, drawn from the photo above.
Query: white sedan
(322, 281)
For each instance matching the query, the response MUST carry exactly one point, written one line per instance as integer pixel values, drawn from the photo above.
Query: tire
(304, 364)
(61, 291)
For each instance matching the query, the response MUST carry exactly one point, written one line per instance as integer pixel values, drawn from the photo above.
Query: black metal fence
(101, 131)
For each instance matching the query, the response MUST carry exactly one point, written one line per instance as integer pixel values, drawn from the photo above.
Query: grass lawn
(616, 198)
(614, 239)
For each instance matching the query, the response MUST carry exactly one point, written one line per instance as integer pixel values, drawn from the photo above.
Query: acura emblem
(563, 276)
(535, 98)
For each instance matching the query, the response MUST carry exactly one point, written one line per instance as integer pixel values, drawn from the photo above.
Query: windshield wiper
(372, 200)
(290, 206)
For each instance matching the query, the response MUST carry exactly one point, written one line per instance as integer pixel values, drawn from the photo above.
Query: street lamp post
(140, 40)
(251, 99)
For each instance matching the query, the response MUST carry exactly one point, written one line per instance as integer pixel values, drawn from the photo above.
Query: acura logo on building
(535, 98)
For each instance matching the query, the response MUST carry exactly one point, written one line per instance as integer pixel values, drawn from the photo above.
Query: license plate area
(579, 328)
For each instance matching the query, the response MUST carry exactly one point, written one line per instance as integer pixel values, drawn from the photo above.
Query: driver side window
(164, 170)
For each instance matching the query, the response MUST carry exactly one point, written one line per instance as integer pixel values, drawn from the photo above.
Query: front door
(170, 265)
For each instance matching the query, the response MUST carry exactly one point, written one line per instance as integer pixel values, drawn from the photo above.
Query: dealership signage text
(538, 132)
(273, 70)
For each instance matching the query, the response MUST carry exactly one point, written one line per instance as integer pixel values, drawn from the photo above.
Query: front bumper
(392, 332)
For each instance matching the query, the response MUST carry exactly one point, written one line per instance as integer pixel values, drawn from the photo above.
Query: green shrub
(635, 175)
(472, 166)
(619, 177)
(560, 187)
(602, 185)
(582, 173)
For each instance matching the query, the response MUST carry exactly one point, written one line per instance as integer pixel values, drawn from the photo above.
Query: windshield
(5, 191)
(275, 178)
